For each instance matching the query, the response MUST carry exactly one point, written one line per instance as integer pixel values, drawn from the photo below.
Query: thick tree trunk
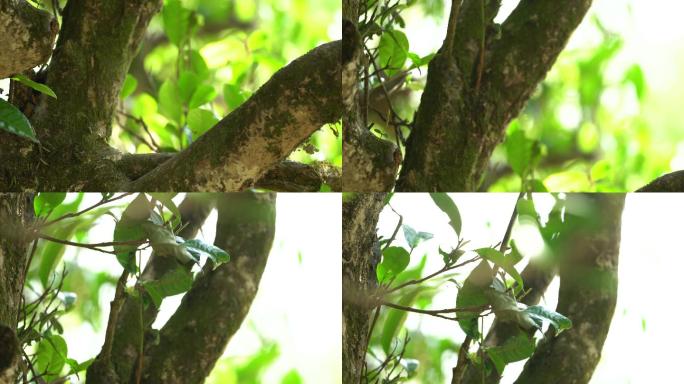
(16, 214)
(469, 99)
(588, 294)
(359, 220)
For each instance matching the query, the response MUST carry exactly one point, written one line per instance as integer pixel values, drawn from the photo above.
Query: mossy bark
(466, 105)
(588, 294)
(213, 310)
(16, 214)
(359, 221)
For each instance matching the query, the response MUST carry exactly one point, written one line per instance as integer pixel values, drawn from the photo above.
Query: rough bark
(213, 310)
(359, 220)
(587, 295)
(94, 51)
(671, 182)
(466, 107)
(233, 155)
(16, 213)
(27, 36)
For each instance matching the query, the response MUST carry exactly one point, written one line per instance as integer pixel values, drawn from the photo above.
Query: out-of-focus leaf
(395, 320)
(471, 295)
(200, 121)
(129, 86)
(176, 21)
(392, 50)
(444, 202)
(516, 348)
(47, 201)
(414, 238)
(216, 255)
(505, 263)
(394, 261)
(129, 228)
(174, 282)
(51, 355)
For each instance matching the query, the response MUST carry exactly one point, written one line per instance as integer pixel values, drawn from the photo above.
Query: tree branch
(532, 37)
(671, 182)
(27, 36)
(233, 155)
(587, 295)
(213, 310)
(359, 220)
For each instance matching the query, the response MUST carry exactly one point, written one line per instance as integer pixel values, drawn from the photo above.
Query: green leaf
(176, 21)
(516, 348)
(128, 87)
(47, 201)
(503, 262)
(233, 96)
(13, 121)
(541, 315)
(392, 50)
(215, 254)
(198, 65)
(450, 257)
(292, 377)
(174, 282)
(519, 151)
(204, 94)
(42, 88)
(525, 207)
(414, 238)
(200, 121)
(129, 228)
(444, 202)
(166, 198)
(472, 294)
(169, 101)
(395, 320)
(635, 76)
(187, 84)
(52, 253)
(394, 261)
(51, 355)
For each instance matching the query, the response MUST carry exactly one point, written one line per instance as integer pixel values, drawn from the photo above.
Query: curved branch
(233, 155)
(213, 310)
(532, 37)
(671, 182)
(27, 36)
(587, 295)
(285, 176)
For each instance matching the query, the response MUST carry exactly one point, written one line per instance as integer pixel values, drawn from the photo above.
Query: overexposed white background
(643, 344)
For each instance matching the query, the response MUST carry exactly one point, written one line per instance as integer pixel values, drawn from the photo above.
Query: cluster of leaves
(492, 287)
(147, 221)
(211, 58)
(39, 330)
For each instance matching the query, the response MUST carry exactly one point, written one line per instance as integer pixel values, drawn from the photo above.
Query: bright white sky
(641, 335)
(298, 304)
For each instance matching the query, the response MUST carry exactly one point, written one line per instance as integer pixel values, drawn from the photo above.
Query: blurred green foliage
(201, 59)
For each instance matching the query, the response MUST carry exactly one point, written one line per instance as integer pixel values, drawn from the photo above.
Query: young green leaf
(516, 348)
(47, 201)
(51, 355)
(498, 258)
(174, 282)
(176, 21)
(392, 50)
(203, 94)
(519, 151)
(13, 121)
(128, 87)
(170, 104)
(540, 315)
(200, 121)
(187, 84)
(129, 228)
(395, 319)
(444, 202)
(394, 260)
(472, 294)
(42, 88)
(215, 254)
(414, 238)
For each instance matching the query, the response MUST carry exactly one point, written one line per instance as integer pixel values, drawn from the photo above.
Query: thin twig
(100, 203)
(93, 246)
(430, 276)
